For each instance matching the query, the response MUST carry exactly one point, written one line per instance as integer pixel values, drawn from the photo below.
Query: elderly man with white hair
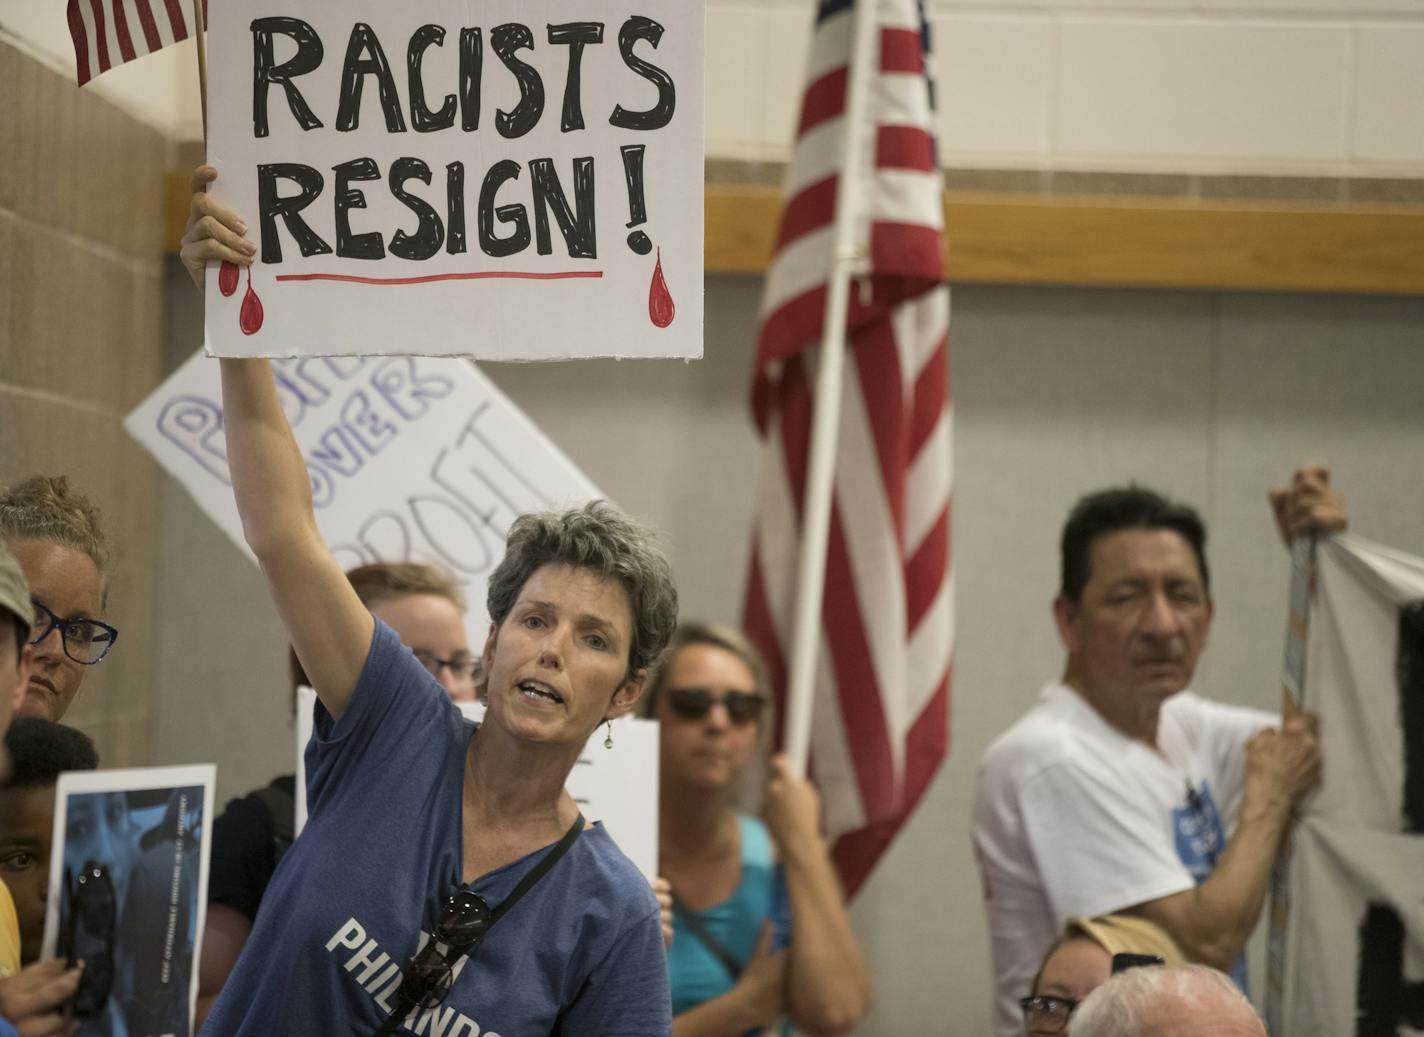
(1177, 1001)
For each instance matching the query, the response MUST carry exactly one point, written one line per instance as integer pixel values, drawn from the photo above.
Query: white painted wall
(1303, 87)
(1307, 87)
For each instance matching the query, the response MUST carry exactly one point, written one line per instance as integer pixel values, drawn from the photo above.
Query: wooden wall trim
(1096, 240)
(1101, 241)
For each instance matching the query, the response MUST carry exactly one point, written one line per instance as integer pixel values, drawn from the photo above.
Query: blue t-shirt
(353, 899)
(696, 973)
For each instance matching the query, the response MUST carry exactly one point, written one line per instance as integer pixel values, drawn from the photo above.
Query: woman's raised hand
(214, 233)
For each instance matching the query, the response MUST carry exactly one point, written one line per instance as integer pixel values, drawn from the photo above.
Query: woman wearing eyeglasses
(55, 534)
(1081, 959)
(760, 932)
(445, 883)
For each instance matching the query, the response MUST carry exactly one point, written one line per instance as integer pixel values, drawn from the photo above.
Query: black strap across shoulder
(534, 874)
(699, 929)
(530, 879)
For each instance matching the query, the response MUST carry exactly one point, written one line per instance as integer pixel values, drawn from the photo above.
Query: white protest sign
(416, 459)
(506, 179)
(617, 786)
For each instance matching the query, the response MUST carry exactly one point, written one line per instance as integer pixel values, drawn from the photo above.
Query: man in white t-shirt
(1120, 791)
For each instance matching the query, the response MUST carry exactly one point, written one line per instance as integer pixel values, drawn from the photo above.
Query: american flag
(881, 722)
(107, 33)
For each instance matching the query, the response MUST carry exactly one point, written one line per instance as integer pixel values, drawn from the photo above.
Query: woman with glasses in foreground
(56, 535)
(446, 882)
(759, 930)
(1081, 959)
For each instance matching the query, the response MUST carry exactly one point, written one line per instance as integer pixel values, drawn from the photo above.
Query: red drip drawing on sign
(227, 278)
(251, 317)
(660, 307)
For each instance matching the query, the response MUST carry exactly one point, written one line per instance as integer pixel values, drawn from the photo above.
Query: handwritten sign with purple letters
(507, 180)
(410, 459)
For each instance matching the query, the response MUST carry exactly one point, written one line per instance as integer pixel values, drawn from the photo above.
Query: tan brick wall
(80, 315)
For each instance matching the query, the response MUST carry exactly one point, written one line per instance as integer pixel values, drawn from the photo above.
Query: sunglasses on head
(743, 707)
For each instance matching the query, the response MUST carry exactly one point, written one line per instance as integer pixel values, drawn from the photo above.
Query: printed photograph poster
(410, 459)
(128, 887)
(617, 786)
(504, 179)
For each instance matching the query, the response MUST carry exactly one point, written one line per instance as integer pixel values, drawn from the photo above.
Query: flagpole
(200, 42)
(1302, 591)
(846, 256)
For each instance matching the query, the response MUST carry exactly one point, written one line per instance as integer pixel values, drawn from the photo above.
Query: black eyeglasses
(1047, 1014)
(85, 640)
(88, 936)
(743, 707)
(461, 667)
(430, 974)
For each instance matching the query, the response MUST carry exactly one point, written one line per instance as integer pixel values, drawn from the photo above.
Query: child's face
(26, 825)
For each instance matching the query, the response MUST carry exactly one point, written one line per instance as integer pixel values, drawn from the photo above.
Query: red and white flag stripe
(880, 726)
(107, 33)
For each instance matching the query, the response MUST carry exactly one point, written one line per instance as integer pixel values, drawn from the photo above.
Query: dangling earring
(608, 742)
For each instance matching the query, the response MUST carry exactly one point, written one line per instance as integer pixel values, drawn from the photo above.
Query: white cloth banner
(505, 179)
(411, 459)
(1355, 950)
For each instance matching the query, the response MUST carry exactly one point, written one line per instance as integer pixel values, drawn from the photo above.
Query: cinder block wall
(80, 303)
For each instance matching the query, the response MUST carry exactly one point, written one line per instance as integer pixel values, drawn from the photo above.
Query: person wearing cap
(29, 997)
(1081, 960)
(1121, 791)
(55, 533)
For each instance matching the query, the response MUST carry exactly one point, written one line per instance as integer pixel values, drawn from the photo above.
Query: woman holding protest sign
(424, 832)
(740, 887)
(424, 606)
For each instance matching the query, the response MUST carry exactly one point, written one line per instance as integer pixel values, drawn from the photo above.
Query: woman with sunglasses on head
(760, 931)
(445, 883)
(1081, 959)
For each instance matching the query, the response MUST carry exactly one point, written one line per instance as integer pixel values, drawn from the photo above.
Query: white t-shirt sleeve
(1225, 730)
(1100, 847)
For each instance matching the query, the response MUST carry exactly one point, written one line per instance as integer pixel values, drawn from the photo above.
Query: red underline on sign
(478, 275)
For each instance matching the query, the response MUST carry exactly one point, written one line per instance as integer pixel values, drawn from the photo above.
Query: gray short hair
(604, 540)
(1126, 1004)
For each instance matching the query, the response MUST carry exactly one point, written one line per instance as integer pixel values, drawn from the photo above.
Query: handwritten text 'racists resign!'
(365, 58)
(346, 412)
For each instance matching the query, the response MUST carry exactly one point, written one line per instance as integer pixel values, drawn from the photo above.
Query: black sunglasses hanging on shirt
(464, 922)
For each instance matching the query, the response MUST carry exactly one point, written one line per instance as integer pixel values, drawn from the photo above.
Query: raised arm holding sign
(422, 831)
